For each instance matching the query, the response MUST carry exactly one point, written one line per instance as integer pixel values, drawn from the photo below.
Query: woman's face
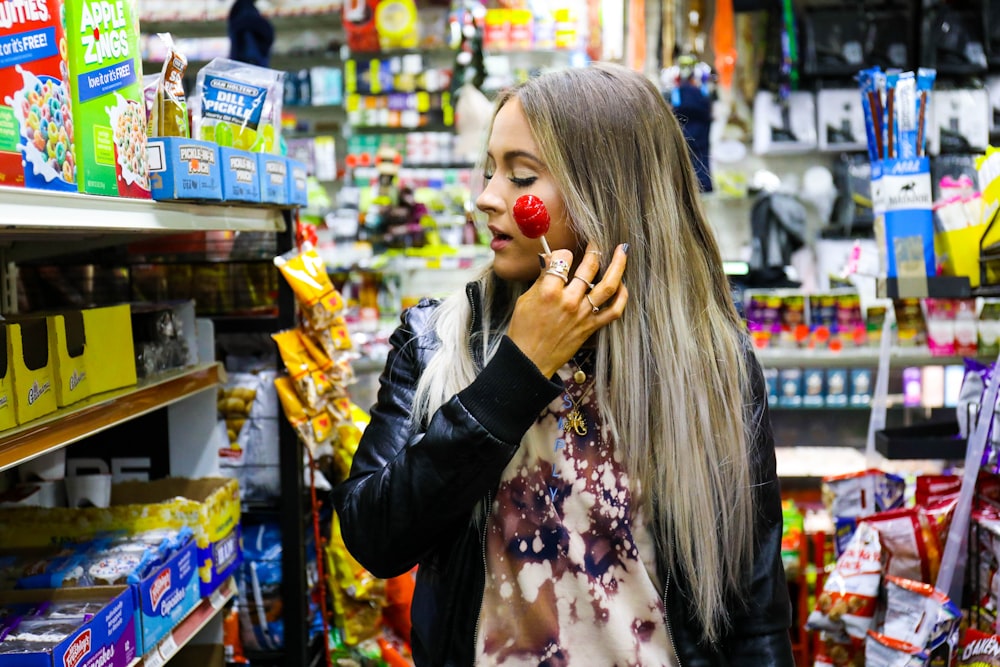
(513, 169)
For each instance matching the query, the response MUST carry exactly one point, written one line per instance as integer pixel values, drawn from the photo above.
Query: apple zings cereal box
(108, 107)
(36, 128)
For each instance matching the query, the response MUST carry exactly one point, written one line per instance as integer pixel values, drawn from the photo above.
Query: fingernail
(625, 248)
(541, 261)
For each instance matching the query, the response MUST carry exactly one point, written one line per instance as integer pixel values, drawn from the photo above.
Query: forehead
(511, 130)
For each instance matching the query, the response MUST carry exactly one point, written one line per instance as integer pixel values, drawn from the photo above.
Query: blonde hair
(674, 396)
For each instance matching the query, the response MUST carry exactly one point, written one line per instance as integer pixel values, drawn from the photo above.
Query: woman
(583, 471)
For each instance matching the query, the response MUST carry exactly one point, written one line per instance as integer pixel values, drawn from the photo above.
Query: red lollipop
(532, 218)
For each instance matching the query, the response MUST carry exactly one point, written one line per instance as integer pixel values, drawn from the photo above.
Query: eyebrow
(512, 155)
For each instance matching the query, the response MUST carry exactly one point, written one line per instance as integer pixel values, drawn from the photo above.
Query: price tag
(168, 647)
(218, 598)
(153, 659)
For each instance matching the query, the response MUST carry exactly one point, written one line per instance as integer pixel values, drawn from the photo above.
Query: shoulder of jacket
(416, 318)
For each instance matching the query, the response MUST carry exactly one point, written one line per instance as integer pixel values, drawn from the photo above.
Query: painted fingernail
(625, 248)
(541, 261)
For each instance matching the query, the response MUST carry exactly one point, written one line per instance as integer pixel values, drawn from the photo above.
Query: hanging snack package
(979, 649)
(36, 126)
(169, 115)
(863, 493)
(882, 651)
(850, 594)
(916, 613)
(240, 106)
(108, 108)
(910, 543)
(306, 274)
(311, 382)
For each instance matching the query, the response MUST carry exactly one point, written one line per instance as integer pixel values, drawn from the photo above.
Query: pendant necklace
(574, 420)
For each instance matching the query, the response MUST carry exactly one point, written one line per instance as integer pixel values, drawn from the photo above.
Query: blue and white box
(298, 193)
(240, 175)
(168, 594)
(182, 168)
(274, 174)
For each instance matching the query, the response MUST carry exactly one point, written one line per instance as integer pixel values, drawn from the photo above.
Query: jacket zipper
(666, 619)
(482, 589)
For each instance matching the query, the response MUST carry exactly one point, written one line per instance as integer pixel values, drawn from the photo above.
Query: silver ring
(553, 272)
(588, 284)
(560, 265)
(594, 309)
(596, 252)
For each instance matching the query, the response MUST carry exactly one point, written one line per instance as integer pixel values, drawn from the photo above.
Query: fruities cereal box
(36, 127)
(106, 86)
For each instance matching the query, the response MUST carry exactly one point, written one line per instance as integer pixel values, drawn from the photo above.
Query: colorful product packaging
(273, 171)
(298, 185)
(182, 168)
(36, 125)
(108, 105)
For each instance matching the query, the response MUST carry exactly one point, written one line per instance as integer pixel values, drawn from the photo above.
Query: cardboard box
(36, 126)
(181, 168)
(167, 595)
(107, 639)
(274, 175)
(298, 183)
(109, 352)
(8, 415)
(67, 349)
(210, 507)
(240, 175)
(28, 352)
(108, 107)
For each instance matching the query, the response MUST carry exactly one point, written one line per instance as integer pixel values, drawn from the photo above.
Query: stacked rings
(560, 268)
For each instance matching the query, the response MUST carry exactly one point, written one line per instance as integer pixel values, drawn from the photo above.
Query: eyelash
(518, 182)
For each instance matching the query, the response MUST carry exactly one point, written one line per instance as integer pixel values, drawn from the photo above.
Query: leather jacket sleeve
(414, 487)
(760, 621)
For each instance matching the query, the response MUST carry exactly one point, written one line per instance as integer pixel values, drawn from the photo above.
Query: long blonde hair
(672, 378)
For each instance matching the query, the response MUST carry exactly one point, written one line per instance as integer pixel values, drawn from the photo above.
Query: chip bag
(979, 649)
(849, 597)
(882, 651)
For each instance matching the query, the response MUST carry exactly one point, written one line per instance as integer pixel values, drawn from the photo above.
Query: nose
(488, 201)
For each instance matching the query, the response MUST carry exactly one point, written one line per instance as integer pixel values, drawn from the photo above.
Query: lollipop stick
(545, 244)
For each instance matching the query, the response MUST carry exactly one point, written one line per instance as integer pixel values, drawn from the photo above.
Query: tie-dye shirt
(570, 578)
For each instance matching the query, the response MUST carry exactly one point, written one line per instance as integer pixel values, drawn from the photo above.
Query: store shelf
(190, 626)
(927, 441)
(217, 27)
(940, 287)
(36, 223)
(856, 358)
(101, 412)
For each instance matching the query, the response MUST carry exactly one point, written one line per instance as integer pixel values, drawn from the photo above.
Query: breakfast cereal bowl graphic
(41, 108)
(128, 124)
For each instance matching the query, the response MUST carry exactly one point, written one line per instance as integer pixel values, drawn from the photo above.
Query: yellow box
(110, 352)
(8, 416)
(32, 366)
(67, 349)
(958, 250)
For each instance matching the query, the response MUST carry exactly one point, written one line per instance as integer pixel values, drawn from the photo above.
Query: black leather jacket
(419, 495)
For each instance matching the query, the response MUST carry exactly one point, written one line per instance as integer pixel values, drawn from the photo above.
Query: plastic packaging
(240, 106)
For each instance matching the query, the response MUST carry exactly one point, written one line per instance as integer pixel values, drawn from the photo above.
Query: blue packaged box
(240, 175)
(167, 595)
(790, 387)
(909, 220)
(298, 193)
(813, 387)
(274, 187)
(836, 387)
(182, 168)
(107, 639)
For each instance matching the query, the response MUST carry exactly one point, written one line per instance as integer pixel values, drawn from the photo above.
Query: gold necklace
(574, 419)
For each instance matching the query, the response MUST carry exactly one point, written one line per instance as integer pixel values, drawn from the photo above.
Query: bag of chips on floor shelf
(909, 543)
(979, 649)
(882, 651)
(849, 597)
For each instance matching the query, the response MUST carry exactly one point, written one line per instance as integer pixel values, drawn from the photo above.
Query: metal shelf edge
(190, 625)
(97, 413)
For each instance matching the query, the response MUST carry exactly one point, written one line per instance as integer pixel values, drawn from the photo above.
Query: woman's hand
(555, 317)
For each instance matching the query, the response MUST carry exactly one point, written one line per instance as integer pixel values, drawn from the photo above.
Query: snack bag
(850, 594)
(240, 106)
(836, 649)
(36, 126)
(169, 117)
(305, 272)
(863, 493)
(106, 87)
(882, 651)
(979, 649)
(910, 542)
(916, 613)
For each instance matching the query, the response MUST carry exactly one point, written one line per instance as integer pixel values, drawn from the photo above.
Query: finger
(583, 277)
(557, 267)
(610, 282)
(614, 308)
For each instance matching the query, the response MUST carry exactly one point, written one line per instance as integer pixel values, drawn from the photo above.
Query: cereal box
(108, 107)
(36, 127)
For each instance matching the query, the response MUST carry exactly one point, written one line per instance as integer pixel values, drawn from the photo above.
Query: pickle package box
(36, 126)
(107, 104)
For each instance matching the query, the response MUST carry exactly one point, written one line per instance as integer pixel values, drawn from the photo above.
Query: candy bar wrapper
(849, 597)
(882, 651)
(978, 649)
(909, 542)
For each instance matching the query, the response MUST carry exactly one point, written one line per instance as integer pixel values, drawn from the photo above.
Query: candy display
(532, 218)
(36, 126)
(106, 85)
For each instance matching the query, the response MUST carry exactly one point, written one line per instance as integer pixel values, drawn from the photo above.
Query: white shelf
(852, 358)
(35, 223)
(190, 626)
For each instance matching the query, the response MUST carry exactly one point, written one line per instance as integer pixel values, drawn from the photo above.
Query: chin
(515, 271)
